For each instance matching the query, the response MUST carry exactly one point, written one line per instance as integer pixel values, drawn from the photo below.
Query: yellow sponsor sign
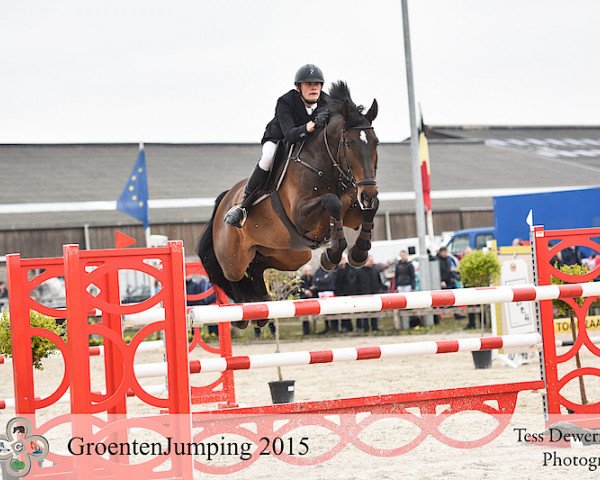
(561, 325)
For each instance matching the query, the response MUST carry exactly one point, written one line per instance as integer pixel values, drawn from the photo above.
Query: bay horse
(327, 184)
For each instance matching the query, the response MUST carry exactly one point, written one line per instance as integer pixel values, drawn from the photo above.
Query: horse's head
(357, 152)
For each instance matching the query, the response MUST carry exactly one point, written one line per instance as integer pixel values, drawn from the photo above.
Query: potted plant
(40, 347)
(480, 269)
(282, 286)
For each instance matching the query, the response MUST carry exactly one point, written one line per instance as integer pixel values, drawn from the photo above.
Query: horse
(321, 190)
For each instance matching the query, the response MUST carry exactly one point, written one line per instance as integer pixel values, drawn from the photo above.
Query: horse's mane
(340, 93)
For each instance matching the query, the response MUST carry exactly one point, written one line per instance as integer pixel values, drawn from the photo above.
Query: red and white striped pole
(95, 351)
(251, 362)
(200, 315)
(156, 390)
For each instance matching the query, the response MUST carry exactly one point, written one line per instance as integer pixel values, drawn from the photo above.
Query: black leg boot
(237, 215)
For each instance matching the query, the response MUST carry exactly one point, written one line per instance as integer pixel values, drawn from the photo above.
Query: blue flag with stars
(134, 197)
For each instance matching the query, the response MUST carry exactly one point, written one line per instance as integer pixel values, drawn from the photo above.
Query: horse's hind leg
(251, 288)
(255, 275)
(333, 255)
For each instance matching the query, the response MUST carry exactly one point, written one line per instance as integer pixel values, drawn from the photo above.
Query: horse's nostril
(366, 201)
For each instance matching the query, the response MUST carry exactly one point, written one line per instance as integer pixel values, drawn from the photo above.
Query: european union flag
(134, 197)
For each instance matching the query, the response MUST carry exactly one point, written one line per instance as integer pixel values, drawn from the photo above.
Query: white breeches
(268, 156)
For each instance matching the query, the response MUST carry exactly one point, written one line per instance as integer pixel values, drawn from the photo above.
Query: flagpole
(147, 232)
(147, 235)
(423, 258)
(430, 232)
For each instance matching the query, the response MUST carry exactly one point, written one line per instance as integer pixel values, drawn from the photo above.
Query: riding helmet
(309, 73)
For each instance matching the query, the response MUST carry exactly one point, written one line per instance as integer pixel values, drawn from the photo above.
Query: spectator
(307, 290)
(369, 282)
(56, 288)
(345, 284)
(3, 296)
(454, 269)
(445, 264)
(594, 264)
(324, 286)
(571, 256)
(404, 274)
(194, 287)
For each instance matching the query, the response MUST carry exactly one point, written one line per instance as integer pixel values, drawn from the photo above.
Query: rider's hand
(321, 119)
(310, 127)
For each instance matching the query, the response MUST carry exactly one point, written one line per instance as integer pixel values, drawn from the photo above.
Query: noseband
(346, 177)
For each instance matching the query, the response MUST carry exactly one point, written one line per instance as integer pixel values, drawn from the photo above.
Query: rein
(346, 176)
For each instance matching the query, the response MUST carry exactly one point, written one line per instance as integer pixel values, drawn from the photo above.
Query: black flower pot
(482, 359)
(282, 391)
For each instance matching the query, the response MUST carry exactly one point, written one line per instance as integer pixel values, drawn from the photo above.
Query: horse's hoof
(261, 323)
(326, 264)
(357, 258)
(241, 324)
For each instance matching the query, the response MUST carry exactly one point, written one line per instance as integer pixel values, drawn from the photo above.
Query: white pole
(424, 273)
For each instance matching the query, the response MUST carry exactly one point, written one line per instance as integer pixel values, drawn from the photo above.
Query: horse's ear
(345, 110)
(372, 113)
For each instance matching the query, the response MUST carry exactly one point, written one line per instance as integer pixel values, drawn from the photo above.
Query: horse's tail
(206, 252)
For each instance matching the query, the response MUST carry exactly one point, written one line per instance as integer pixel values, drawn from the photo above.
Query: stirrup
(236, 216)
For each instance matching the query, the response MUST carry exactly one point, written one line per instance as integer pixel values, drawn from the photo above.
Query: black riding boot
(237, 215)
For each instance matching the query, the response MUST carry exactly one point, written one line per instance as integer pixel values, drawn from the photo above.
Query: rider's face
(310, 91)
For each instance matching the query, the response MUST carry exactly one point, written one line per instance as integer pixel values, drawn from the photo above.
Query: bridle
(346, 175)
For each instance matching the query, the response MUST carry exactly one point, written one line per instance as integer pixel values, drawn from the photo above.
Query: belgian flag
(425, 170)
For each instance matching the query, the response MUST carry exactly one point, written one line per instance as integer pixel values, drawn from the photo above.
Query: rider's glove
(321, 119)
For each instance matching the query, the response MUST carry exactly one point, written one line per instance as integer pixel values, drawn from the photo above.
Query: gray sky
(191, 71)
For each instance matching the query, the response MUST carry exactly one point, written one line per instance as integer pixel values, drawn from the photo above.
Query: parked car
(476, 238)
(137, 294)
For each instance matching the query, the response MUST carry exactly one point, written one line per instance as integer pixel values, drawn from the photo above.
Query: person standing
(345, 284)
(3, 296)
(369, 282)
(194, 287)
(446, 268)
(571, 256)
(324, 286)
(307, 290)
(404, 274)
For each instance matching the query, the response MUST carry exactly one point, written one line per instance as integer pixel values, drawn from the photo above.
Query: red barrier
(81, 269)
(27, 274)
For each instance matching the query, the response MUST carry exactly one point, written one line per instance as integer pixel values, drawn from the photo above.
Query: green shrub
(576, 270)
(282, 285)
(40, 347)
(479, 269)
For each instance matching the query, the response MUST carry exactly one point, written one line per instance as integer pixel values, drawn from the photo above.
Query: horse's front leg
(358, 254)
(333, 255)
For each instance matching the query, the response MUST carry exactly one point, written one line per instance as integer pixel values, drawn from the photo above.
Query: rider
(298, 114)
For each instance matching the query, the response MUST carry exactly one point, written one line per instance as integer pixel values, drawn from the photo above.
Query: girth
(298, 241)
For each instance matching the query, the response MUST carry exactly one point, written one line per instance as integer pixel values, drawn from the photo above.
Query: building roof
(462, 158)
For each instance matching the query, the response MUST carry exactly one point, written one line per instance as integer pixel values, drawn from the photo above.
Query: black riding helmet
(309, 73)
